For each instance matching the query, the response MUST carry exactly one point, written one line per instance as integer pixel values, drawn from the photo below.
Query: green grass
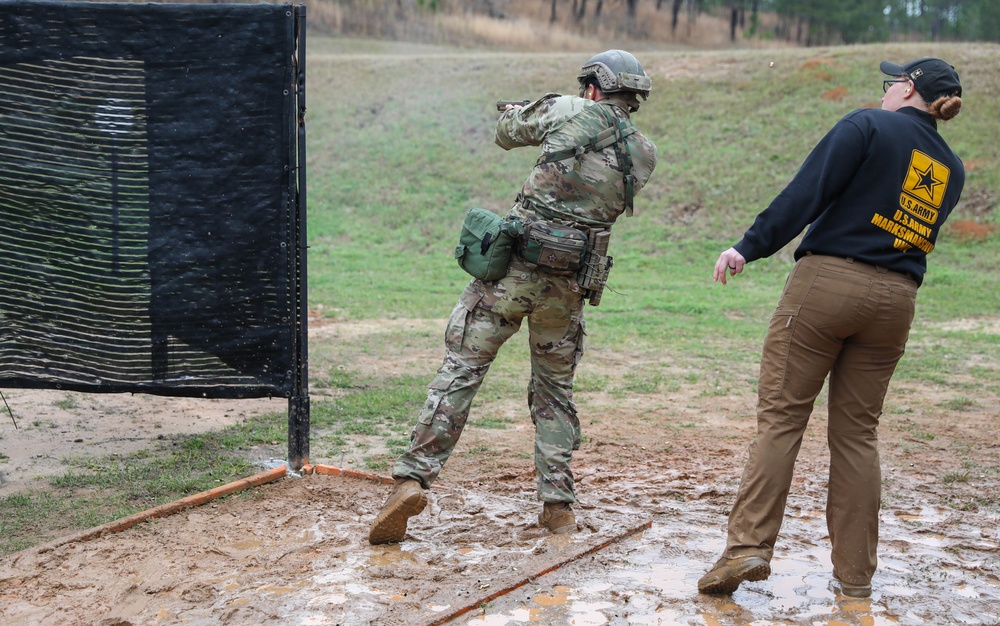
(97, 490)
(67, 403)
(960, 403)
(955, 477)
(727, 147)
(377, 410)
(400, 146)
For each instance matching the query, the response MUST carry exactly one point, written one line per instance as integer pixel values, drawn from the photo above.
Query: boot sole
(390, 525)
(732, 582)
(854, 591)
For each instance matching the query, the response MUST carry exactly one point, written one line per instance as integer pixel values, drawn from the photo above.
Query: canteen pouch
(554, 246)
(486, 244)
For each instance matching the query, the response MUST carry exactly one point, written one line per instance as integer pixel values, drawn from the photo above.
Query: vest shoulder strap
(598, 142)
(614, 135)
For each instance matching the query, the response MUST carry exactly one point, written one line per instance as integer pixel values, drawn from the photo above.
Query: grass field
(394, 167)
(400, 144)
(413, 149)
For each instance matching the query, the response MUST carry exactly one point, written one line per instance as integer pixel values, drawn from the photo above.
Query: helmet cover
(616, 70)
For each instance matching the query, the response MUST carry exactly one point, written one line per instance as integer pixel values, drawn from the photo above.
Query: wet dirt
(655, 476)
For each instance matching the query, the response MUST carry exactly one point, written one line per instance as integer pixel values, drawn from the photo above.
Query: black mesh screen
(148, 200)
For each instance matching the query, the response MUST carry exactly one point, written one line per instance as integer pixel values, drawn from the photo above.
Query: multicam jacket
(588, 189)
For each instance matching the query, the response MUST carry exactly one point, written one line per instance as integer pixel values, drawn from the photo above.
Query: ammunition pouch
(593, 274)
(565, 248)
(553, 245)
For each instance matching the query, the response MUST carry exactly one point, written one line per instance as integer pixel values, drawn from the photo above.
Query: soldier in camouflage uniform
(586, 188)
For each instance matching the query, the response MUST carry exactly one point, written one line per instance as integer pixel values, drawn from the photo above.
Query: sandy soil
(656, 476)
(55, 427)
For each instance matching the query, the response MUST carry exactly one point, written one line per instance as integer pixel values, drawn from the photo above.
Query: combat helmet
(616, 71)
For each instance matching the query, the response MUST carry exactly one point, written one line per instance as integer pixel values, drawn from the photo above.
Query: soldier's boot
(406, 500)
(557, 517)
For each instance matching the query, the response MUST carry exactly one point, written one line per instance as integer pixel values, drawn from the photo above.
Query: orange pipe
(545, 570)
(188, 502)
(172, 507)
(330, 470)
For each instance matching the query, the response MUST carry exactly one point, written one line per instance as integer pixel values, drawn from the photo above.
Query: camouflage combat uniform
(587, 190)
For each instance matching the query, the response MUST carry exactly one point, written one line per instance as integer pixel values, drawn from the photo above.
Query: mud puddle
(296, 552)
(927, 575)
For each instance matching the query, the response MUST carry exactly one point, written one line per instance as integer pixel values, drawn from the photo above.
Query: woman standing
(874, 192)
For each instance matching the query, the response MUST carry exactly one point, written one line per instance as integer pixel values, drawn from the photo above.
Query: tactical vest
(618, 129)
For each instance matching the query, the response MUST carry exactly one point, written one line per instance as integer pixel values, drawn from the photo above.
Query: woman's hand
(729, 261)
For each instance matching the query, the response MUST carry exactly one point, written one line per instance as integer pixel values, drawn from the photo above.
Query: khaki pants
(849, 320)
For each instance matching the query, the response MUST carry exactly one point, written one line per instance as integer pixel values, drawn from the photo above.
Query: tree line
(822, 22)
(804, 22)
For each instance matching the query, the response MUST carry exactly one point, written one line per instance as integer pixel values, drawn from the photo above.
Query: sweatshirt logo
(919, 200)
(926, 181)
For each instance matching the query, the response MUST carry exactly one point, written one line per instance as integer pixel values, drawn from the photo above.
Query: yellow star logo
(926, 179)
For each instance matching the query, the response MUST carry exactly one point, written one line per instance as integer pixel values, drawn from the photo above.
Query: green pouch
(486, 244)
(554, 245)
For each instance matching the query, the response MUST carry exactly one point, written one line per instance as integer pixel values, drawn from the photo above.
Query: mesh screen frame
(152, 199)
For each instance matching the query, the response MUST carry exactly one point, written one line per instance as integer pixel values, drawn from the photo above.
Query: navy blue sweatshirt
(876, 188)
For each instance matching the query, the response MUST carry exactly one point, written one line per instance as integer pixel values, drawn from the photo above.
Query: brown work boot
(406, 500)
(727, 574)
(557, 517)
(851, 590)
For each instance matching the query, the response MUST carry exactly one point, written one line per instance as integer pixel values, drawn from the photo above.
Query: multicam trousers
(851, 321)
(486, 316)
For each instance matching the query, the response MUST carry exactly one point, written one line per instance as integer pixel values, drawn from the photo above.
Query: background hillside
(526, 25)
(399, 155)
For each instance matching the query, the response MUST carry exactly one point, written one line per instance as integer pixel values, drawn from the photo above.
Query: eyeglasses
(888, 83)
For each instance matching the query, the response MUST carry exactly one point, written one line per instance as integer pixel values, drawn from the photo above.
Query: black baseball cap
(931, 76)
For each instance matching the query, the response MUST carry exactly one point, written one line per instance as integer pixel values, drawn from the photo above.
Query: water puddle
(480, 559)
(652, 579)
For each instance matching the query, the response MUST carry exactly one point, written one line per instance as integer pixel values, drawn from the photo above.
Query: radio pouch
(486, 244)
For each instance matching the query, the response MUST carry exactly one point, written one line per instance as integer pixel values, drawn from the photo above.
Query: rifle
(502, 104)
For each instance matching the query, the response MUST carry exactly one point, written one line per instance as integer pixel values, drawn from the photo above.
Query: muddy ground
(656, 476)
